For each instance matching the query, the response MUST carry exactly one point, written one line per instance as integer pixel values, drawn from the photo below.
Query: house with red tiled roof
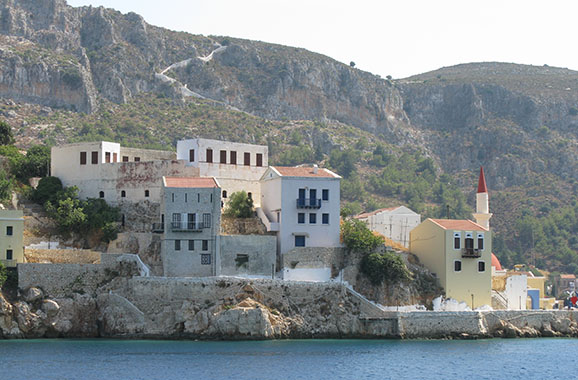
(302, 205)
(459, 252)
(394, 223)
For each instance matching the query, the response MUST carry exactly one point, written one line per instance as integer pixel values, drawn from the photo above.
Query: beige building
(459, 252)
(11, 244)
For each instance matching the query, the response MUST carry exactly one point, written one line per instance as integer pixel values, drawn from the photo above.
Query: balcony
(187, 226)
(158, 228)
(308, 203)
(9, 263)
(471, 252)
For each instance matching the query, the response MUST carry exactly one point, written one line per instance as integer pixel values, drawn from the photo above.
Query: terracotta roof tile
(193, 182)
(568, 276)
(302, 171)
(462, 225)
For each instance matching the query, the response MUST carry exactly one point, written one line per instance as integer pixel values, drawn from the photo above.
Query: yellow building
(11, 237)
(459, 253)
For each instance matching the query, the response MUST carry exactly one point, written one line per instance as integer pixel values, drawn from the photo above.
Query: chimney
(315, 168)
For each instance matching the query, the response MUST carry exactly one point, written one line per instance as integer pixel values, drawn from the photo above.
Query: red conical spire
(482, 188)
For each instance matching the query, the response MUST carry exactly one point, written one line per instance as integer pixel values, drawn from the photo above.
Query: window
(9, 230)
(206, 220)
(209, 155)
(233, 158)
(137, 159)
(205, 245)
(124, 158)
(173, 197)
(481, 266)
(223, 156)
(242, 261)
(205, 259)
(94, 158)
(312, 197)
(191, 155)
(250, 195)
(123, 220)
(325, 218)
(115, 157)
(457, 266)
(247, 159)
(191, 245)
(123, 194)
(177, 245)
(101, 194)
(186, 197)
(212, 198)
(301, 218)
(325, 194)
(299, 241)
(224, 193)
(9, 254)
(107, 157)
(312, 218)
(82, 158)
(457, 240)
(198, 197)
(176, 220)
(259, 159)
(147, 193)
(481, 242)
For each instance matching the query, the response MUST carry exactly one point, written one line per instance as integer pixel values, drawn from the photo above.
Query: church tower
(482, 214)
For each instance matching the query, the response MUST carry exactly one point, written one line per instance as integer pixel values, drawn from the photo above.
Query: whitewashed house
(394, 223)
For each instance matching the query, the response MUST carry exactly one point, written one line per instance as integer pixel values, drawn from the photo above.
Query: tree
(47, 190)
(6, 136)
(240, 205)
(357, 237)
(35, 163)
(5, 186)
(352, 64)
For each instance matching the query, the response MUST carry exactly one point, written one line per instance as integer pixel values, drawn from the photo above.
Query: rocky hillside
(88, 73)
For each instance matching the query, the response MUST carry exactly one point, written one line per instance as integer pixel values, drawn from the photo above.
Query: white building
(302, 205)
(236, 166)
(394, 223)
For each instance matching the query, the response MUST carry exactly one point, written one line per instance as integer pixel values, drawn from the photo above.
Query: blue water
(307, 359)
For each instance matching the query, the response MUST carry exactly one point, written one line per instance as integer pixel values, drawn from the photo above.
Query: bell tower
(482, 214)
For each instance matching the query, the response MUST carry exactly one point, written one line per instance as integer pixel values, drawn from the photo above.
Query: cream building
(459, 252)
(394, 223)
(236, 166)
(11, 237)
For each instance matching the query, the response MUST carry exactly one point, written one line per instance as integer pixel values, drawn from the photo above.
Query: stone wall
(63, 280)
(260, 251)
(61, 256)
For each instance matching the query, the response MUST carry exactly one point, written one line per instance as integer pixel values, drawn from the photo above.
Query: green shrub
(357, 237)
(240, 205)
(387, 266)
(47, 190)
(6, 136)
(5, 186)
(3, 275)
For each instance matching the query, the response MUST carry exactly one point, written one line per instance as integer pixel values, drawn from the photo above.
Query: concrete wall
(130, 154)
(185, 261)
(516, 292)
(395, 224)
(259, 249)
(11, 221)
(312, 264)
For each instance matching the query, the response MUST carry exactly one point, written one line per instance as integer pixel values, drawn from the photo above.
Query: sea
(542, 358)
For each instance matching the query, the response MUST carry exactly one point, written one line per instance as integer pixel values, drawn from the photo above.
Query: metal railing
(187, 226)
(308, 203)
(471, 252)
(158, 228)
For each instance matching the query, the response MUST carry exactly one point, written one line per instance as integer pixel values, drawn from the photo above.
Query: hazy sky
(398, 38)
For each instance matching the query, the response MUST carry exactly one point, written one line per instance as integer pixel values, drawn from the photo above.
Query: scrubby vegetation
(240, 205)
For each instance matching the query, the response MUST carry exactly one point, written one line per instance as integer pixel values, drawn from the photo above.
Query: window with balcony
(82, 158)
(209, 155)
(9, 230)
(301, 218)
(223, 157)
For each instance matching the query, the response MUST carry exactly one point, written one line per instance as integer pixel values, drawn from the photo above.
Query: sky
(398, 38)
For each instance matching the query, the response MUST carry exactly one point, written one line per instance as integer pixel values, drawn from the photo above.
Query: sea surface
(289, 359)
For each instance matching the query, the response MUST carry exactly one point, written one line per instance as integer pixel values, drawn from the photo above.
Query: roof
(303, 171)
(368, 214)
(568, 276)
(455, 224)
(192, 182)
(482, 188)
(496, 263)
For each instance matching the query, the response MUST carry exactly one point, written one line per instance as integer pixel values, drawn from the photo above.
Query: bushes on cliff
(3, 275)
(386, 266)
(47, 190)
(357, 237)
(6, 136)
(240, 205)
